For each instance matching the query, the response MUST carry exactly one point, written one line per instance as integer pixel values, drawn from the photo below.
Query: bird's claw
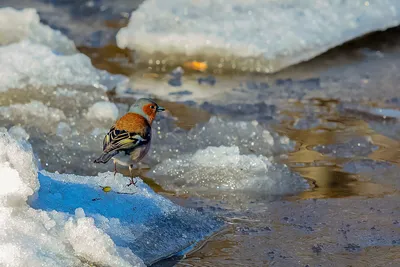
(132, 183)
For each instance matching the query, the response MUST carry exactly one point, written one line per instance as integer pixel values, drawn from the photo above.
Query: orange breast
(132, 122)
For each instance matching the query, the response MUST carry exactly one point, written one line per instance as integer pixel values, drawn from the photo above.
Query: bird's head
(147, 108)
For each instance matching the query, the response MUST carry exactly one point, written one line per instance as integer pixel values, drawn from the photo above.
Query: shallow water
(333, 121)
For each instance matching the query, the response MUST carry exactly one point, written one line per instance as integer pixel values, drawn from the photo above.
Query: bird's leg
(131, 177)
(115, 168)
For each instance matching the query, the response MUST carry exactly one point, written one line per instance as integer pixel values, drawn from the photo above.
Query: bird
(129, 138)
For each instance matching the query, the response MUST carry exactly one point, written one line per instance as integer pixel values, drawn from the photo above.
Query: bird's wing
(117, 140)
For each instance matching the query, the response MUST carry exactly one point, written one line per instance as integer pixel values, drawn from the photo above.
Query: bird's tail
(105, 157)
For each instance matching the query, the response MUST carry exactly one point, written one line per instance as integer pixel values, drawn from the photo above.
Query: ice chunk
(145, 222)
(39, 238)
(17, 170)
(19, 25)
(98, 247)
(33, 113)
(103, 111)
(225, 169)
(63, 129)
(360, 146)
(36, 65)
(18, 133)
(252, 35)
(250, 137)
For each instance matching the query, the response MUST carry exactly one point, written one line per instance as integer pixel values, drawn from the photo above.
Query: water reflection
(325, 171)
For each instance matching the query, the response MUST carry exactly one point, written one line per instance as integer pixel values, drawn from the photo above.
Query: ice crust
(225, 169)
(253, 35)
(70, 221)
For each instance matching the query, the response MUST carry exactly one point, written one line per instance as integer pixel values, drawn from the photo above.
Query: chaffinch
(128, 140)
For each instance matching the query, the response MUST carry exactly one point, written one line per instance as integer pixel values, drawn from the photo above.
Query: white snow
(103, 111)
(19, 25)
(255, 35)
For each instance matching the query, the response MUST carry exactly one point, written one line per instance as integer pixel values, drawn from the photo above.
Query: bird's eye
(152, 107)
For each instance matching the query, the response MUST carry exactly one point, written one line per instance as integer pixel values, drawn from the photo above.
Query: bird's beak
(159, 109)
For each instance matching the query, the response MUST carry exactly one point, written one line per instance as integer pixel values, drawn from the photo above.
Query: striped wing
(117, 140)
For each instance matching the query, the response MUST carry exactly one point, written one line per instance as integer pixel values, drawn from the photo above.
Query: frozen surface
(19, 25)
(225, 169)
(250, 35)
(71, 221)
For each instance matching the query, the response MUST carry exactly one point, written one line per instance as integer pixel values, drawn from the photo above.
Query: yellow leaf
(107, 189)
(196, 65)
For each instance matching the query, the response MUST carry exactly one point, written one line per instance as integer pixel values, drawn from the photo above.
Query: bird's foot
(132, 182)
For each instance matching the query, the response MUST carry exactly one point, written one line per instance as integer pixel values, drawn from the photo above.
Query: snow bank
(30, 237)
(250, 35)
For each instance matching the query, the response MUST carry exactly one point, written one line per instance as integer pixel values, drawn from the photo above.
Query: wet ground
(335, 121)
